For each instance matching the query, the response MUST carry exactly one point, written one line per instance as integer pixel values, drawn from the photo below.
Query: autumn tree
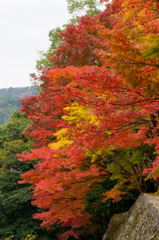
(96, 116)
(67, 163)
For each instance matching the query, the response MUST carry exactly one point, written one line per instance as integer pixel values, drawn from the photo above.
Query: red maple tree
(114, 78)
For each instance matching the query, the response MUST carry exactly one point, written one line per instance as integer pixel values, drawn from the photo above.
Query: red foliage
(79, 42)
(116, 93)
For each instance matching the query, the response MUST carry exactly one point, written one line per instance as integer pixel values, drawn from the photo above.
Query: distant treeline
(9, 100)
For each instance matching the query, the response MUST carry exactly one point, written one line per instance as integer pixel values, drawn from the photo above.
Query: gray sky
(24, 28)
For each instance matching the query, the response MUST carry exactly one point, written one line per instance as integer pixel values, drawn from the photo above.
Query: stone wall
(141, 222)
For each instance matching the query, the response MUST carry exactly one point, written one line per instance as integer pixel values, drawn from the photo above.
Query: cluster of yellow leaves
(95, 155)
(76, 113)
(62, 140)
(28, 237)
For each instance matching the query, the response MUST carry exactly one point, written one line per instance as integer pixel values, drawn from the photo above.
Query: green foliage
(152, 51)
(101, 212)
(126, 165)
(12, 130)
(15, 208)
(55, 41)
(90, 7)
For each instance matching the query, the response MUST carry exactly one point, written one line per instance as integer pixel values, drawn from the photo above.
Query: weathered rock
(115, 222)
(140, 223)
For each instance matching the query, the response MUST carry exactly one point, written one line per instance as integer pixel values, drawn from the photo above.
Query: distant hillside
(9, 100)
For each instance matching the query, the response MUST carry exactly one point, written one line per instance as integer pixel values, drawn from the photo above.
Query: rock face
(140, 223)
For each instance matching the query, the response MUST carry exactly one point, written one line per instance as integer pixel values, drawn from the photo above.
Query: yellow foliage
(9, 238)
(62, 140)
(94, 155)
(29, 237)
(128, 14)
(78, 112)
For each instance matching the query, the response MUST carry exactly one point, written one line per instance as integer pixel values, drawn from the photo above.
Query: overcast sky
(24, 26)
